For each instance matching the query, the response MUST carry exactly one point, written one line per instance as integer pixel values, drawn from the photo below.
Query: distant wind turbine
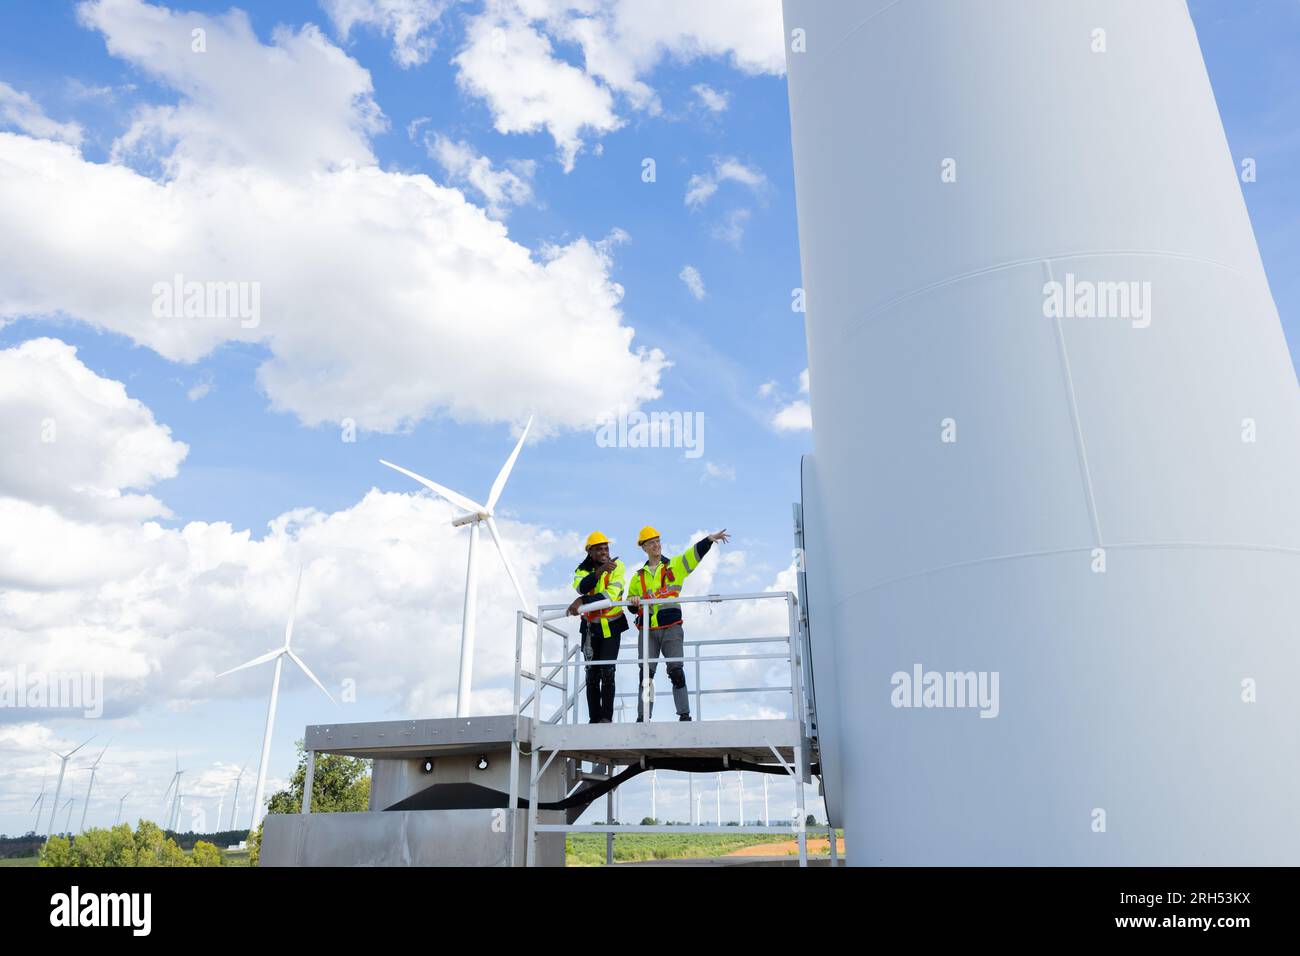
(117, 819)
(234, 807)
(39, 803)
(93, 768)
(67, 824)
(174, 810)
(278, 656)
(63, 765)
(476, 514)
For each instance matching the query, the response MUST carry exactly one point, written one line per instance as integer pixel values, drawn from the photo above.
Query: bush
(206, 854)
(56, 852)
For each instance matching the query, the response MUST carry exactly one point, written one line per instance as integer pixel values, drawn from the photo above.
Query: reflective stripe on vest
(668, 588)
(609, 613)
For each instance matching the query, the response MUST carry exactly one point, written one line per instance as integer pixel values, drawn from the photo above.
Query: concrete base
(405, 838)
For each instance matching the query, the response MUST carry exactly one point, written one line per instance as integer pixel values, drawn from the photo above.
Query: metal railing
(566, 673)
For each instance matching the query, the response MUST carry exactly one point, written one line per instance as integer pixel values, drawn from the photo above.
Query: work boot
(683, 716)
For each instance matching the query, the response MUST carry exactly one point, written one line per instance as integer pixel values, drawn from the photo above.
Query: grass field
(588, 849)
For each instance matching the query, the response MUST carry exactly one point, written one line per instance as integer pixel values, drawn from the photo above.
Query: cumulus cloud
(382, 294)
(694, 281)
(407, 22)
(75, 443)
(159, 611)
(797, 415)
(701, 187)
(511, 61)
(20, 111)
(499, 188)
(715, 101)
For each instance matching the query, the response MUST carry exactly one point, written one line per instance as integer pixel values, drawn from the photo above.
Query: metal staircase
(549, 722)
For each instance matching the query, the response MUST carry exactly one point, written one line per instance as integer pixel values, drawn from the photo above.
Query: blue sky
(257, 451)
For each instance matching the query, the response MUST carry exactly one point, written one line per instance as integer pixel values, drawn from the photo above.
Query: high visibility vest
(664, 581)
(609, 584)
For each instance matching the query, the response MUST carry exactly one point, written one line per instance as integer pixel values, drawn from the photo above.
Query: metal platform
(789, 742)
(413, 739)
(623, 744)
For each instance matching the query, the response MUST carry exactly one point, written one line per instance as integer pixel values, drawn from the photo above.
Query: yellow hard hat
(646, 534)
(596, 538)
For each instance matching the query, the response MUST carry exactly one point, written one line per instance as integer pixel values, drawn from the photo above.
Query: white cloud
(500, 188)
(382, 294)
(510, 57)
(300, 103)
(159, 611)
(732, 228)
(19, 110)
(694, 281)
(701, 187)
(408, 22)
(715, 101)
(797, 415)
(766, 389)
(714, 472)
(74, 442)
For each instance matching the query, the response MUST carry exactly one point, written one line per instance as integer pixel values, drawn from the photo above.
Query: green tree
(172, 855)
(57, 851)
(206, 854)
(148, 843)
(92, 848)
(121, 851)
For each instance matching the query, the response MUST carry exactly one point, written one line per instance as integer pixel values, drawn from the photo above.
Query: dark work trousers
(669, 640)
(600, 680)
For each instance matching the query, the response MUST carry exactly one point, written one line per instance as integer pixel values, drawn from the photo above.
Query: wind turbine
(92, 768)
(234, 807)
(173, 812)
(118, 818)
(63, 765)
(67, 824)
(39, 803)
(476, 514)
(278, 656)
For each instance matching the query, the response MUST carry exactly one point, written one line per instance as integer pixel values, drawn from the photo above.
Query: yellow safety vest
(609, 584)
(665, 581)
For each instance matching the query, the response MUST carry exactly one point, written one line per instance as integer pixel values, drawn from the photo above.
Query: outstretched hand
(720, 536)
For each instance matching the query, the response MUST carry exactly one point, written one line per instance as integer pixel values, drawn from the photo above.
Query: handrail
(544, 672)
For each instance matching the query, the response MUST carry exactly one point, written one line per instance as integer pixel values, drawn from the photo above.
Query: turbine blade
(499, 485)
(268, 656)
(36, 801)
(460, 501)
(293, 610)
(501, 550)
(80, 745)
(307, 670)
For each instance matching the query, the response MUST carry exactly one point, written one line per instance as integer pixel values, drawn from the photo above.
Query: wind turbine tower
(475, 515)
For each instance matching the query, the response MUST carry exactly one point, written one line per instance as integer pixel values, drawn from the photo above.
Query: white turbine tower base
(476, 514)
(278, 656)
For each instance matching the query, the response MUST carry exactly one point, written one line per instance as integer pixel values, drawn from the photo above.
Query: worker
(658, 578)
(597, 578)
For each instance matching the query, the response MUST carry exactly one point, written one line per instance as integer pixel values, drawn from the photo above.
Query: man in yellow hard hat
(599, 577)
(658, 578)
